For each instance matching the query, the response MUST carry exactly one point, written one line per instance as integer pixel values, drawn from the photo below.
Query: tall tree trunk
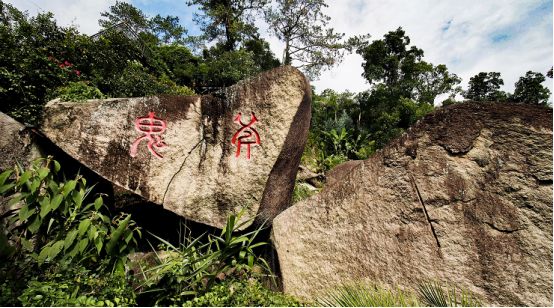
(229, 35)
(287, 60)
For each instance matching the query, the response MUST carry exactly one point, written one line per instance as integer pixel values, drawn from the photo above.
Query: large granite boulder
(464, 197)
(202, 157)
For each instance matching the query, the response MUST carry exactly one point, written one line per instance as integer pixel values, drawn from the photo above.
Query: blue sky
(471, 36)
(171, 7)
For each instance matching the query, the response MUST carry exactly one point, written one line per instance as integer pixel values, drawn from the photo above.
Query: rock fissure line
(180, 168)
(501, 230)
(541, 182)
(425, 211)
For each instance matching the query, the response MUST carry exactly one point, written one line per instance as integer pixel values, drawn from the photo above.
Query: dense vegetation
(61, 245)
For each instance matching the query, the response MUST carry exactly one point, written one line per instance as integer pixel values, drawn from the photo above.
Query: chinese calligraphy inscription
(246, 135)
(152, 128)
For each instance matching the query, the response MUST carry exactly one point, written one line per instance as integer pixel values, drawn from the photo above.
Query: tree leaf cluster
(310, 43)
(228, 22)
(57, 221)
(485, 86)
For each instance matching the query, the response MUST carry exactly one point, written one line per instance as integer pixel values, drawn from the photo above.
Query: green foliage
(129, 57)
(449, 101)
(385, 118)
(242, 293)
(528, 89)
(404, 87)
(399, 67)
(58, 220)
(57, 232)
(304, 29)
(77, 286)
(180, 90)
(261, 54)
(229, 22)
(335, 134)
(302, 191)
(182, 65)
(122, 13)
(9, 293)
(134, 81)
(485, 87)
(36, 56)
(436, 295)
(347, 126)
(364, 295)
(367, 295)
(192, 268)
(333, 160)
(78, 91)
(227, 68)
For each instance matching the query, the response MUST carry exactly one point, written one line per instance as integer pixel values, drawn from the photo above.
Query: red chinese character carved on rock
(152, 128)
(246, 135)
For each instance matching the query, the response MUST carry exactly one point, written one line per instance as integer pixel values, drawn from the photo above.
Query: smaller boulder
(17, 144)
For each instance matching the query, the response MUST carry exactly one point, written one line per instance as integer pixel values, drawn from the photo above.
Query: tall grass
(196, 264)
(431, 294)
(436, 295)
(365, 295)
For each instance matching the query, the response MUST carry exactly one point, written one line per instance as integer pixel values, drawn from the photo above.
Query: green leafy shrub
(364, 151)
(436, 295)
(8, 293)
(302, 191)
(51, 225)
(78, 91)
(70, 285)
(364, 295)
(57, 220)
(227, 68)
(135, 81)
(333, 160)
(242, 293)
(171, 88)
(36, 55)
(180, 90)
(192, 268)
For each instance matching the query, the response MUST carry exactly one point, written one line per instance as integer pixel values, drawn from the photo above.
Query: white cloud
(466, 47)
(84, 14)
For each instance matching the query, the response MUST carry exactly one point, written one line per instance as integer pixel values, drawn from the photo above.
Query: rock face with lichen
(464, 197)
(183, 152)
(16, 144)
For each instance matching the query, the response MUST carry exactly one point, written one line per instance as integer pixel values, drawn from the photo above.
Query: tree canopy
(310, 43)
(528, 89)
(391, 62)
(485, 87)
(228, 21)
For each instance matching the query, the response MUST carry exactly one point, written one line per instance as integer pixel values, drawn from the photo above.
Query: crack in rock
(501, 230)
(426, 214)
(180, 168)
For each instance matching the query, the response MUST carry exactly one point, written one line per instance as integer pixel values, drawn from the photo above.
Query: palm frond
(436, 295)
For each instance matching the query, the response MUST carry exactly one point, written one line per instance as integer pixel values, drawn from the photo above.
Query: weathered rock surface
(465, 197)
(307, 176)
(336, 174)
(16, 144)
(200, 174)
